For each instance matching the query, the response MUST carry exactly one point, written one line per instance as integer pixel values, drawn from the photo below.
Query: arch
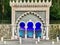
(25, 14)
(22, 25)
(30, 25)
(18, 20)
(38, 24)
(22, 29)
(38, 30)
(30, 29)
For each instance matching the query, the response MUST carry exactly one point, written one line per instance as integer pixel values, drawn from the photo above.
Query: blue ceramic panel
(30, 24)
(38, 26)
(22, 33)
(38, 30)
(22, 25)
(30, 34)
(30, 29)
(22, 30)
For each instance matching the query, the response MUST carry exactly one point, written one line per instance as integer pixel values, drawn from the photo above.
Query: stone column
(26, 32)
(13, 22)
(59, 26)
(47, 23)
(34, 32)
(38, 39)
(2, 39)
(20, 40)
(47, 28)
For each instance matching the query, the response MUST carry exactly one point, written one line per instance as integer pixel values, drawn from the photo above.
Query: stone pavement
(28, 42)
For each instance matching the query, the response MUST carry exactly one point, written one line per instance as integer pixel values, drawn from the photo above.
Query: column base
(44, 37)
(25, 36)
(34, 36)
(16, 37)
(38, 39)
(47, 38)
(57, 39)
(20, 40)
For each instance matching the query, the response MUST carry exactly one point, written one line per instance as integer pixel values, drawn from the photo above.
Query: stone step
(1, 43)
(29, 41)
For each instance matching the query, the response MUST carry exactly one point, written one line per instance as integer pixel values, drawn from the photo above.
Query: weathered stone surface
(5, 31)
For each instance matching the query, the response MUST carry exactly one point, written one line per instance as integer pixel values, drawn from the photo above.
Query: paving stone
(28, 42)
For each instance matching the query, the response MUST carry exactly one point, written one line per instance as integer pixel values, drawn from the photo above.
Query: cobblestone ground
(29, 42)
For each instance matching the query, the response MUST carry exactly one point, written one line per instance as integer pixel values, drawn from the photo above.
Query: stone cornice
(30, 4)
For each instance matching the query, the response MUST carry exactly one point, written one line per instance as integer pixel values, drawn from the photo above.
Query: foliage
(7, 11)
(55, 10)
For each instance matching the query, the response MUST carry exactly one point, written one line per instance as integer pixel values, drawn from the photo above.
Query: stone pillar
(57, 39)
(59, 26)
(47, 23)
(13, 22)
(38, 39)
(34, 32)
(20, 40)
(47, 28)
(2, 39)
(26, 32)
